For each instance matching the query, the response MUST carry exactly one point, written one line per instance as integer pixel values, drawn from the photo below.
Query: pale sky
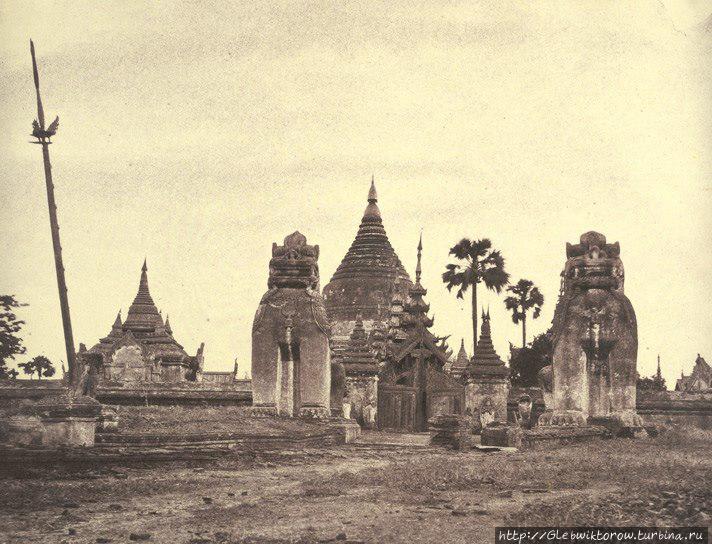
(198, 133)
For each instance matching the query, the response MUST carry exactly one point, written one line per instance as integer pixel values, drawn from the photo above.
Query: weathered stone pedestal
(314, 412)
(562, 418)
(350, 429)
(55, 421)
(622, 425)
(449, 430)
(503, 435)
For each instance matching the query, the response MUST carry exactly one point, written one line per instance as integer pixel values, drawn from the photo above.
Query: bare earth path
(397, 492)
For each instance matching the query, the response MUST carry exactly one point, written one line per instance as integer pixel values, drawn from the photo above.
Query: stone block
(108, 421)
(349, 428)
(67, 420)
(497, 434)
(449, 430)
(23, 430)
(622, 425)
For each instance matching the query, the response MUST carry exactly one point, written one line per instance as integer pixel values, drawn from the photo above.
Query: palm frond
(461, 250)
(495, 279)
(479, 248)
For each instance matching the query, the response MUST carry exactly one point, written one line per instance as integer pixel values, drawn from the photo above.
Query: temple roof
(143, 315)
(371, 253)
(143, 325)
(485, 360)
(370, 274)
(358, 355)
(460, 364)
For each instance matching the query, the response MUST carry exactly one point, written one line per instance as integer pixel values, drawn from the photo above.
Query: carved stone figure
(290, 335)
(595, 339)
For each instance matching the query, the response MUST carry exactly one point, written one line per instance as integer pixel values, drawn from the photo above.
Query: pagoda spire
(372, 194)
(143, 316)
(485, 361)
(143, 283)
(659, 373)
(168, 326)
(372, 212)
(418, 267)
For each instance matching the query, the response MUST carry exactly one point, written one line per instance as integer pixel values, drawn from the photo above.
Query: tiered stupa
(458, 367)
(370, 281)
(485, 361)
(142, 348)
(358, 357)
(487, 378)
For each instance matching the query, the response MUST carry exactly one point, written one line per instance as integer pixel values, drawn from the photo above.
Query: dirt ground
(368, 492)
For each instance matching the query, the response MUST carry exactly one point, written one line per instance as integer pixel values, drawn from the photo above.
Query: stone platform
(553, 437)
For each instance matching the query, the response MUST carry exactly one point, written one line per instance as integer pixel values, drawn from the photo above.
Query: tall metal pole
(43, 136)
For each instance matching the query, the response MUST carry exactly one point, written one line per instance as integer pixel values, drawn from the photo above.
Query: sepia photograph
(288, 272)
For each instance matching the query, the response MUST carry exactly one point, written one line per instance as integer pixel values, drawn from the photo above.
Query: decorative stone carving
(290, 335)
(595, 339)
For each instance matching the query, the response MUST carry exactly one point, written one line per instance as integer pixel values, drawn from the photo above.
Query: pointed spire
(117, 321)
(143, 314)
(372, 194)
(461, 361)
(372, 212)
(168, 326)
(485, 358)
(658, 374)
(418, 267)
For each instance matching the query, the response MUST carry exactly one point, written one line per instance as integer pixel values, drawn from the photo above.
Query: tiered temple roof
(460, 365)
(485, 362)
(358, 357)
(369, 274)
(415, 323)
(145, 326)
(699, 380)
(371, 253)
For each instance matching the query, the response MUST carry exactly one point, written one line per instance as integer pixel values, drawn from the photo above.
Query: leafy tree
(7, 373)
(654, 383)
(526, 297)
(10, 343)
(479, 264)
(40, 365)
(525, 363)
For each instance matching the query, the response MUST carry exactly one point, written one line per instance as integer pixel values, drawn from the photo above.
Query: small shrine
(141, 348)
(412, 385)
(487, 377)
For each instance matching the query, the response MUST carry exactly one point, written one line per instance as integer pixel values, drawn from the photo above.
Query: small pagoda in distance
(142, 347)
(487, 380)
(458, 367)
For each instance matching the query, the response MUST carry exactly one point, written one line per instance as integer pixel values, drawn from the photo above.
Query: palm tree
(526, 297)
(481, 264)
